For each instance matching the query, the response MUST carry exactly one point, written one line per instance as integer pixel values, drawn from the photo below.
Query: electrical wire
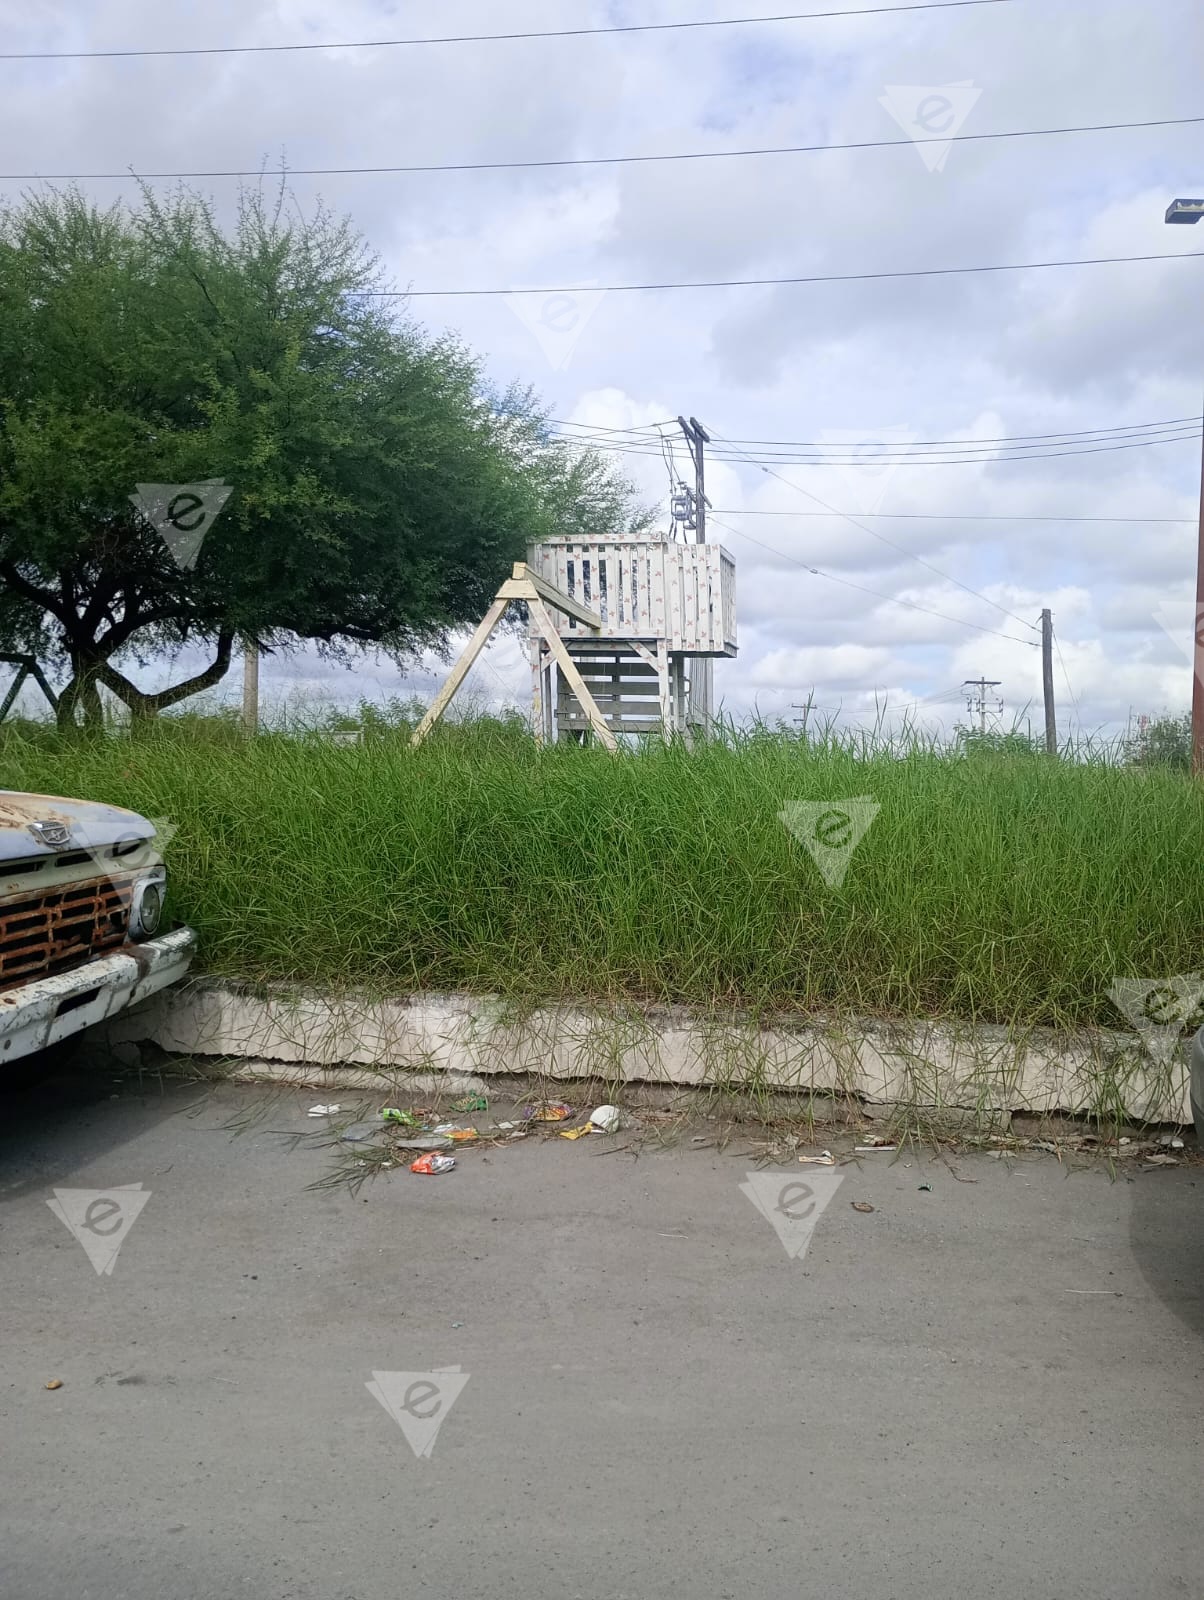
(861, 588)
(132, 174)
(973, 457)
(991, 456)
(764, 283)
(484, 38)
(1065, 434)
(956, 516)
(882, 539)
(1066, 676)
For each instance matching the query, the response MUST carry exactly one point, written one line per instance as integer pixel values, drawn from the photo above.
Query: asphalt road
(990, 1388)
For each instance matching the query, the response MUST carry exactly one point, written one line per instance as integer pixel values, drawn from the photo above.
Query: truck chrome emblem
(56, 835)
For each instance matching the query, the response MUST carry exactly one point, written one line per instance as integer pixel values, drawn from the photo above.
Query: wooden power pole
(1197, 682)
(250, 686)
(1051, 723)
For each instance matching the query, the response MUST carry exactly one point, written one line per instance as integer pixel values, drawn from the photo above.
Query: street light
(1185, 211)
(1189, 211)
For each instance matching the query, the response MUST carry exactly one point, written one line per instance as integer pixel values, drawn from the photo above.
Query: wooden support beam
(564, 661)
(460, 671)
(530, 587)
(519, 587)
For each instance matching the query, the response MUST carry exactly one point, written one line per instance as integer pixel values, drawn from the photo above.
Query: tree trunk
(82, 694)
(144, 706)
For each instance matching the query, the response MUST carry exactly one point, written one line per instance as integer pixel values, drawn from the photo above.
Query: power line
(484, 38)
(882, 539)
(1007, 438)
(990, 456)
(971, 456)
(1065, 674)
(861, 588)
(762, 283)
(955, 516)
(132, 175)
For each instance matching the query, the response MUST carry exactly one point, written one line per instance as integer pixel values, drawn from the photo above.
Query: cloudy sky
(979, 537)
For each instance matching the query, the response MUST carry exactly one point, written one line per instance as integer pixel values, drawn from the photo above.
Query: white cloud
(966, 358)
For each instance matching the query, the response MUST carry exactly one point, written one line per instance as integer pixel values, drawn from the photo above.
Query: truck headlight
(146, 906)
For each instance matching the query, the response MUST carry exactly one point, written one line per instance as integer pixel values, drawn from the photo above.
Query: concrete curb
(451, 1039)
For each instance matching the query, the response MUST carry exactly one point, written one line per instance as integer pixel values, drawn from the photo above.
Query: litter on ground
(548, 1111)
(431, 1164)
(404, 1119)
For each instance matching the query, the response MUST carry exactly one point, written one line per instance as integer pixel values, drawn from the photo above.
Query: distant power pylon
(979, 702)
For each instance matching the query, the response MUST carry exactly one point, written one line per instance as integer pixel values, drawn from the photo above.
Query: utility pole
(1197, 683)
(980, 704)
(1051, 723)
(1190, 211)
(697, 439)
(702, 674)
(250, 686)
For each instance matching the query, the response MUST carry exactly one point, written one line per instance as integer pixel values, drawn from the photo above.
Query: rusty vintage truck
(82, 889)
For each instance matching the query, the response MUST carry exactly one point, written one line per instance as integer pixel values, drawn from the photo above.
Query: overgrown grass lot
(1008, 888)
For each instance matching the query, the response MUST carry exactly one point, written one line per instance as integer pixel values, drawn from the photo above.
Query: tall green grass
(994, 887)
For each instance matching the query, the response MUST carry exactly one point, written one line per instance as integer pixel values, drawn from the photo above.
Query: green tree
(379, 490)
(1164, 742)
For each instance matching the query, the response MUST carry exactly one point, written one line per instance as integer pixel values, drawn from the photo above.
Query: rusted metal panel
(52, 930)
(34, 1015)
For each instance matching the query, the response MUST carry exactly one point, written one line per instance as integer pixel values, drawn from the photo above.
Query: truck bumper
(39, 1014)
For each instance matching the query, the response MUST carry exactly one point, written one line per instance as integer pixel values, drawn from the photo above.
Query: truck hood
(90, 824)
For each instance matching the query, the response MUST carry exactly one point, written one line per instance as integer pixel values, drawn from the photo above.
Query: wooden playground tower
(622, 634)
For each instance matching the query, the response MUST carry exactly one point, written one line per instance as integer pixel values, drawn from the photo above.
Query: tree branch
(143, 704)
(39, 597)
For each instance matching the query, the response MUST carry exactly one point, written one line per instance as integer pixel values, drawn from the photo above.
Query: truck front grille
(43, 934)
